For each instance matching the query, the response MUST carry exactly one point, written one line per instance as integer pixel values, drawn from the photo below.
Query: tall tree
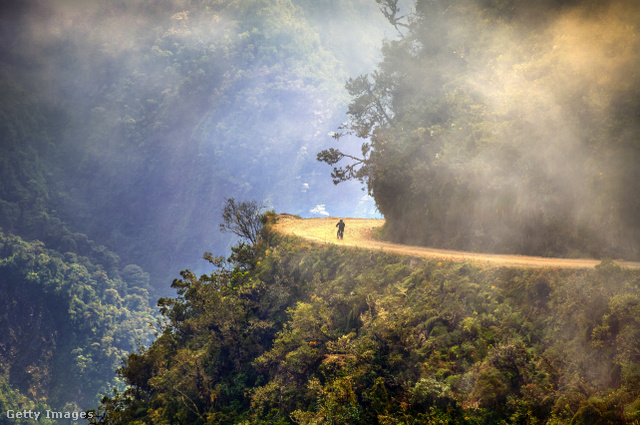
(485, 129)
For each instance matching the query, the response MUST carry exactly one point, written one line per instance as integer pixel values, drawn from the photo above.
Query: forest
(123, 127)
(504, 126)
(284, 332)
(67, 323)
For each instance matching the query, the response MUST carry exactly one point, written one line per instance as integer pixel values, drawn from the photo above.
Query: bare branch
(243, 219)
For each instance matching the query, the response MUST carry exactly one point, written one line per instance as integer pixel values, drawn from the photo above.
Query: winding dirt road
(359, 234)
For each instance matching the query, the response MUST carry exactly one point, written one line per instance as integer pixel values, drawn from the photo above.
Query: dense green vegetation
(11, 399)
(66, 323)
(297, 333)
(70, 308)
(123, 126)
(506, 126)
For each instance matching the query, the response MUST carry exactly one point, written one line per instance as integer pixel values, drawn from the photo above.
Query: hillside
(67, 322)
(304, 333)
(123, 126)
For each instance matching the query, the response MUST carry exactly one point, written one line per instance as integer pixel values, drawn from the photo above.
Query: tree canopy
(315, 334)
(503, 126)
(67, 324)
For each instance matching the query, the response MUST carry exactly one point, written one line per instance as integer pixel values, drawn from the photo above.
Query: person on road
(340, 227)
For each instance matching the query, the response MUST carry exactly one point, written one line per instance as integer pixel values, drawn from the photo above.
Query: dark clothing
(340, 227)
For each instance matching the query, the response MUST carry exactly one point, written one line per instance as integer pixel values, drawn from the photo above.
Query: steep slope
(310, 334)
(69, 308)
(66, 323)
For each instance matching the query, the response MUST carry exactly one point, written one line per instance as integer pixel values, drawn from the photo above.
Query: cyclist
(340, 227)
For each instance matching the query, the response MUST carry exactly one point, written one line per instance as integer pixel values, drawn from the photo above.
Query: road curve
(359, 234)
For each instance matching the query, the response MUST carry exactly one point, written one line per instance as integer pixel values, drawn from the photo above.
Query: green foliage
(317, 335)
(67, 323)
(12, 400)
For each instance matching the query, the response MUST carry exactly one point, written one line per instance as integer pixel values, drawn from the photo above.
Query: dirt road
(358, 233)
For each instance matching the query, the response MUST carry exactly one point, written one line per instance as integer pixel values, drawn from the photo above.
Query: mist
(506, 121)
(509, 128)
(563, 82)
(168, 109)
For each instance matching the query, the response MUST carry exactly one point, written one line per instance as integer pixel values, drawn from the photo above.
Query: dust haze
(553, 82)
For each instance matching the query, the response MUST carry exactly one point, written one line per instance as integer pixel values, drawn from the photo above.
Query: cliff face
(298, 333)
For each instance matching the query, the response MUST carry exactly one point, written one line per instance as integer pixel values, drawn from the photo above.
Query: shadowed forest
(504, 126)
